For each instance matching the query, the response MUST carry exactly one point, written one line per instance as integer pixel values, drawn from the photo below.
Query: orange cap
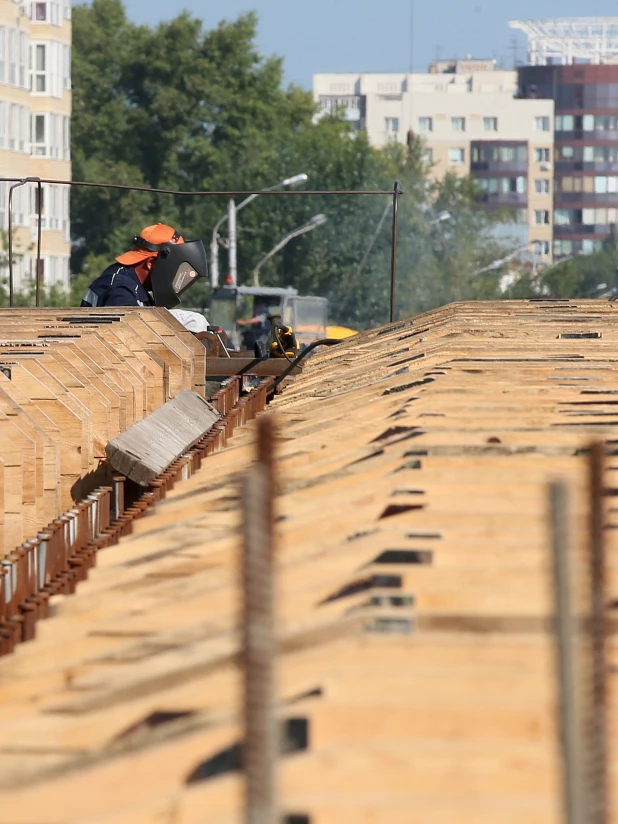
(157, 234)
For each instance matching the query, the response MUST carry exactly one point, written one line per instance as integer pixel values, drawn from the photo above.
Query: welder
(159, 268)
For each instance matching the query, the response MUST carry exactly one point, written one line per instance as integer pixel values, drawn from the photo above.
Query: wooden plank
(151, 445)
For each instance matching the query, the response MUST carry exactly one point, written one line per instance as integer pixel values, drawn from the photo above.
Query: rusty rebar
(261, 742)
(38, 243)
(564, 627)
(397, 191)
(597, 811)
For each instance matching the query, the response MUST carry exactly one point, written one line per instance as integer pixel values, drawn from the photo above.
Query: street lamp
(440, 218)
(233, 209)
(316, 220)
(496, 264)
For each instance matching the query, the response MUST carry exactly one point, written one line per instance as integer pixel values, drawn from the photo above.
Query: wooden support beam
(148, 447)
(225, 367)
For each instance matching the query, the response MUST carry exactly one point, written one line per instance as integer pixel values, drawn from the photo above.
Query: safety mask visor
(177, 267)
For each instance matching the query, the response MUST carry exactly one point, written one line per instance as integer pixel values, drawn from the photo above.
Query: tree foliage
(178, 107)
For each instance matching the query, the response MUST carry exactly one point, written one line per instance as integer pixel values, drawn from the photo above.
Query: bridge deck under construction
(416, 665)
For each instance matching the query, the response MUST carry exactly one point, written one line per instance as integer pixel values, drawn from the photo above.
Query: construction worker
(161, 262)
(259, 325)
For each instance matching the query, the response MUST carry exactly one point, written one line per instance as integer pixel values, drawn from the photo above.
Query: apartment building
(542, 139)
(574, 63)
(35, 113)
(471, 121)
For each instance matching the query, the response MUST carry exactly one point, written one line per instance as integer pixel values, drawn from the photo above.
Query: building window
(65, 214)
(489, 185)
(46, 68)
(576, 184)
(20, 204)
(606, 185)
(425, 124)
(590, 246)
(542, 124)
(12, 57)
(541, 217)
(600, 154)
(391, 124)
(13, 124)
(588, 123)
(458, 124)
(2, 54)
(562, 217)
(50, 136)
(599, 217)
(500, 154)
(542, 155)
(39, 73)
(428, 155)
(541, 187)
(22, 60)
(565, 123)
(563, 247)
(66, 138)
(541, 247)
(490, 124)
(67, 67)
(39, 134)
(457, 156)
(46, 12)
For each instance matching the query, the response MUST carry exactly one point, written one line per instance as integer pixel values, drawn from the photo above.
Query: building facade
(35, 116)
(575, 64)
(471, 121)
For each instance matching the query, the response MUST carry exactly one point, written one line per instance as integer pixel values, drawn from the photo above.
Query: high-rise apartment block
(542, 140)
(35, 115)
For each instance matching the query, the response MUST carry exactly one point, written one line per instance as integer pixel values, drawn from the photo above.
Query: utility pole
(231, 219)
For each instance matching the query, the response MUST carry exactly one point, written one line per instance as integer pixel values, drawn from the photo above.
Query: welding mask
(177, 267)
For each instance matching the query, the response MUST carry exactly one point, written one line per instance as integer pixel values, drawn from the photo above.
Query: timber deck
(414, 595)
(70, 381)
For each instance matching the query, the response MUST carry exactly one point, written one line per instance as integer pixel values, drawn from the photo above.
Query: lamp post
(317, 220)
(232, 211)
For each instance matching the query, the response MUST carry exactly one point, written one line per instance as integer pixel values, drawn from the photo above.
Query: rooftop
(570, 40)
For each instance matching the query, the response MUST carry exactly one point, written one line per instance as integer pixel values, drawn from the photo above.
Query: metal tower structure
(569, 40)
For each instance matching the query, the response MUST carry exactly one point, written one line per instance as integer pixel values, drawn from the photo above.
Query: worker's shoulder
(116, 273)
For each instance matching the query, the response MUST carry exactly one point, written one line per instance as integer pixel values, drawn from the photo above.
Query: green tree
(177, 107)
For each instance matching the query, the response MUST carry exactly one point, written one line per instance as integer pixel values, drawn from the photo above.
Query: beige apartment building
(471, 121)
(35, 114)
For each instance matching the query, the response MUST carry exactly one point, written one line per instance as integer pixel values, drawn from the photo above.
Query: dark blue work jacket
(117, 286)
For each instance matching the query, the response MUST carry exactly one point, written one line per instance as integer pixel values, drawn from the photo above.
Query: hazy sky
(374, 35)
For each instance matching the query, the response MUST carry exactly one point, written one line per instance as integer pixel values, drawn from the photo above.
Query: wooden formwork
(416, 666)
(70, 381)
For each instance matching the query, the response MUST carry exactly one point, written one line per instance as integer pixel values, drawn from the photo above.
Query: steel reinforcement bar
(60, 556)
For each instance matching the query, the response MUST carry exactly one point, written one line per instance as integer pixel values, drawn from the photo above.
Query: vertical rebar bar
(397, 191)
(569, 727)
(10, 240)
(596, 717)
(261, 741)
(38, 243)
